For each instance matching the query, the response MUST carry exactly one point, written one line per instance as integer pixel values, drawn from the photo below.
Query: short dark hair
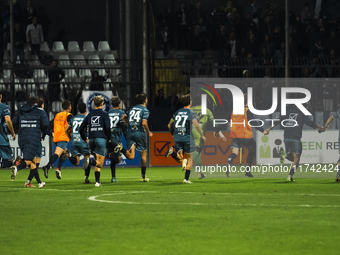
(115, 101)
(32, 100)
(65, 104)
(41, 101)
(140, 98)
(82, 108)
(186, 99)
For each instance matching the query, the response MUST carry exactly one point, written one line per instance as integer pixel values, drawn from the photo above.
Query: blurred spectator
(55, 75)
(19, 42)
(182, 27)
(45, 21)
(278, 36)
(252, 45)
(197, 13)
(198, 46)
(28, 13)
(307, 13)
(234, 46)
(97, 81)
(165, 41)
(267, 27)
(269, 9)
(269, 45)
(34, 36)
(160, 100)
(254, 11)
(220, 43)
(73, 95)
(249, 25)
(332, 43)
(172, 101)
(327, 95)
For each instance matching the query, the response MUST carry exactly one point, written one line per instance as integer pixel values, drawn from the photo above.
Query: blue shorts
(62, 144)
(293, 146)
(239, 142)
(79, 148)
(27, 152)
(5, 152)
(139, 138)
(39, 151)
(98, 146)
(186, 146)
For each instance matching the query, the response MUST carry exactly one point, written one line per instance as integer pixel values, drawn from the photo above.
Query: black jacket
(30, 122)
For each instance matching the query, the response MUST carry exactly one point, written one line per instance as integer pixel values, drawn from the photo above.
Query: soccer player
(242, 135)
(117, 126)
(30, 121)
(292, 137)
(78, 145)
(98, 123)
(183, 137)
(60, 138)
(336, 116)
(203, 121)
(6, 123)
(137, 119)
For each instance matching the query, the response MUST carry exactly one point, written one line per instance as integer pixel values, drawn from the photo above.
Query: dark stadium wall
(78, 20)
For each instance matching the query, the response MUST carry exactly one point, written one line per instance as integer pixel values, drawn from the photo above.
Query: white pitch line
(69, 190)
(95, 199)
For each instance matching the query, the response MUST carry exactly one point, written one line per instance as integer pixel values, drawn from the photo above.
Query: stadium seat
(70, 73)
(40, 78)
(79, 61)
(44, 47)
(58, 47)
(94, 61)
(73, 46)
(88, 46)
(56, 106)
(6, 60)
(30, 86)
(34, 61)
(111, 67)
(103, 46)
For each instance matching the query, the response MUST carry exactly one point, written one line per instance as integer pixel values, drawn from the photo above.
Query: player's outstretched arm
(10, 126)
(330, 119)
(68, 131)
(198, 128)
(146, 127)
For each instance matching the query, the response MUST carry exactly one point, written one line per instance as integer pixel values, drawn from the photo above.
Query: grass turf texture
(164, 216)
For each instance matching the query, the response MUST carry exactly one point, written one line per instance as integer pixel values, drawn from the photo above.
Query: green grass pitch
(215, 215)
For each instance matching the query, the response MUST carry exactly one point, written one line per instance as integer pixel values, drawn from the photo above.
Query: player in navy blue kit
(137, 119)
(292, 137)
(117, 126)
(30, 121)
(336, 116)
(181, 123)
(98, 123)
(6, 123)
(78, 145)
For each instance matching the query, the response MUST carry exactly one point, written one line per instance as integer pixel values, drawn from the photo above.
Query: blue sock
(31, 175)
(36, 175)
(231, 158)
(93, 162)
(97, 175)
(53, 159)
(22, 165)
(113, 170)
(187, 174)
(143, 170)
(73, 159)
(5, 164)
